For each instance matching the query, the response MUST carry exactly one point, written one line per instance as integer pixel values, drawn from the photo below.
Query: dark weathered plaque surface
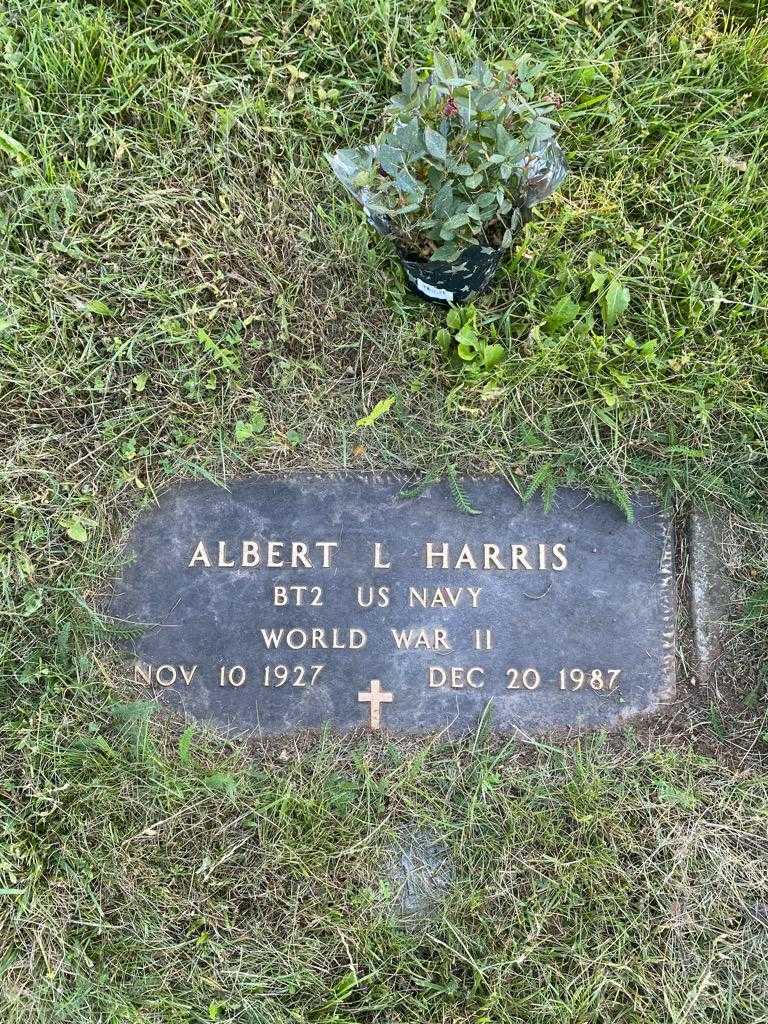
(560, 619)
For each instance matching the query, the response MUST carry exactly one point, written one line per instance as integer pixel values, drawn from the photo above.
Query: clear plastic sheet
(540, 171)
(543, 169)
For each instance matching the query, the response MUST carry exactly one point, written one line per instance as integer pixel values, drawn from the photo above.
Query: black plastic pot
(451, 284)
(542, 169)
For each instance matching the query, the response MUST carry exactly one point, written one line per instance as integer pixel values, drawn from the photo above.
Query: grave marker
(283, 604)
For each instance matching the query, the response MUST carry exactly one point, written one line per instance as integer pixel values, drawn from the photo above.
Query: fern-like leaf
(542, 480)
(529, 438)
(620, 496)
(416, 490)
(460, 498)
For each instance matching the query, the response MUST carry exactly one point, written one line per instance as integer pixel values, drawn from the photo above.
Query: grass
(187, 293)
(597, 887)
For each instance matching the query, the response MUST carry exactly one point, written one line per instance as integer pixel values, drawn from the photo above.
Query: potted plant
(451, 179)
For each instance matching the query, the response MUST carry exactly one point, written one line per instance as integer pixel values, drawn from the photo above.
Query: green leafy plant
(613, 295)
(246, 429)
(380, 409)
(462, 156)
(444, 469)
(464, 339)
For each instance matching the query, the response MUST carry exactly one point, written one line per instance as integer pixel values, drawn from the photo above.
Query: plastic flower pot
(457, 282)
(448, 284)
(463, 157)
(452, 284)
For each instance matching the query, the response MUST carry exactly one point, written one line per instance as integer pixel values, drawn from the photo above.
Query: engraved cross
(375, 697)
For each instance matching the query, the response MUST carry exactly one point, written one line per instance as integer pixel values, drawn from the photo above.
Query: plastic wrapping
(542, 170)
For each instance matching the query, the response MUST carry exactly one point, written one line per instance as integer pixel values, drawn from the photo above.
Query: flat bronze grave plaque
(283, 604)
